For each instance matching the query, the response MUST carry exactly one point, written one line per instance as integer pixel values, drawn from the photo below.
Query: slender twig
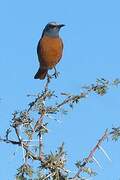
(39, 122)
(17, 133)
(41, 154)
(23, 151)
(10, 141)
(32, 104)
(39, 125)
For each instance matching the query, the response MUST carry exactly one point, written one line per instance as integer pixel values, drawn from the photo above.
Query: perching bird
(49, 49)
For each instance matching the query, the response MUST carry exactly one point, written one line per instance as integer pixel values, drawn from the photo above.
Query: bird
(49, 49)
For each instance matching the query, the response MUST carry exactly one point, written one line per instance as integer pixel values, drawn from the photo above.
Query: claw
(56, 74)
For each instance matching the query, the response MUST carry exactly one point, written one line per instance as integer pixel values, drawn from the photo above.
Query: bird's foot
(56, 74)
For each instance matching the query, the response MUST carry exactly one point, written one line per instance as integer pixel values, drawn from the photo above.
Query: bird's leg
(48, 77)
(48, 81)
(56, 74)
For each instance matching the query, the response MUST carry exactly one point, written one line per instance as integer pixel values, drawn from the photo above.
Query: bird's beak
(61, 25)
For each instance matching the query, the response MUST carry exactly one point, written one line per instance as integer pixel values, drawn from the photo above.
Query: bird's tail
(40, 74)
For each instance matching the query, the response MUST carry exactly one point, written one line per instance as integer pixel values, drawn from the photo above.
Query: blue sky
(91, 50)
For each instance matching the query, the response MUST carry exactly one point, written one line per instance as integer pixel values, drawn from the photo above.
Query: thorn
(32, 145)
(97, 162)
(30, 140)
(49, 116)
(89, 178)
(105, 153)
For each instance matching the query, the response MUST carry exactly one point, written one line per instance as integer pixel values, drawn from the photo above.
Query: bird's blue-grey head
(52, 29)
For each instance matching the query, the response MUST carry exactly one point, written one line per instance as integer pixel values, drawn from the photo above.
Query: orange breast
(50, 51)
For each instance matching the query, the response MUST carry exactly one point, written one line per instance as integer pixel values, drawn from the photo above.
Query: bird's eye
(52, 26)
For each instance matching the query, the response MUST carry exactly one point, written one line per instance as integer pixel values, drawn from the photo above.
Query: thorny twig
(91, 155)
(99, 88)
(43, 95)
